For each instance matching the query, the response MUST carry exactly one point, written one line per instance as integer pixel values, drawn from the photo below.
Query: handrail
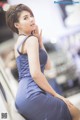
(9, 79)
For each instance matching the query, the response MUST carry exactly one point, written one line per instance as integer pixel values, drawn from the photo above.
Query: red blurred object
(2, 2)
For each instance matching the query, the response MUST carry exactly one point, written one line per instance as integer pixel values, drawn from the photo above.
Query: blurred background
(60, 24)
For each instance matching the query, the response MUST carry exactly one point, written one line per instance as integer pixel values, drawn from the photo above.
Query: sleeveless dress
(31, 101)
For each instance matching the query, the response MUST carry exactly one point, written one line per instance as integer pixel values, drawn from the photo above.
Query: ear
(16, 25)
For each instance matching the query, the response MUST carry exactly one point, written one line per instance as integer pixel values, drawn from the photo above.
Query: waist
(24, 76)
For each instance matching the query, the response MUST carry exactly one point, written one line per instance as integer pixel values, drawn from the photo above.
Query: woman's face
(26, 22)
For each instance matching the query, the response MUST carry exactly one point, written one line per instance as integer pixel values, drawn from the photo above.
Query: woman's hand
(69, 104)
(74, 111)
(38, 35)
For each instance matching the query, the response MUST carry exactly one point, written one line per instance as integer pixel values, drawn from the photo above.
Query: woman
(35, 99)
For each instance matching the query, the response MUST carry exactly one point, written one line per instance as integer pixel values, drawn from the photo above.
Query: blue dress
(33, 102)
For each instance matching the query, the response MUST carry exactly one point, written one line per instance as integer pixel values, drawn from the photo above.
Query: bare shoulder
(31, 41)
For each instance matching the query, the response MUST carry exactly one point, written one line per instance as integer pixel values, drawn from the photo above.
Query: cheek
(23, 23)
(26, 25)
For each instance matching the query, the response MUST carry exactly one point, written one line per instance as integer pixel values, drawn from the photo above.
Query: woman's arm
(32, 48)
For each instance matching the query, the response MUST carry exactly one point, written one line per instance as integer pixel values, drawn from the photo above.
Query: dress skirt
(42, 106)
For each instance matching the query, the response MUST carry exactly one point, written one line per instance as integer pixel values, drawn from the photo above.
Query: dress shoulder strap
(22, 43)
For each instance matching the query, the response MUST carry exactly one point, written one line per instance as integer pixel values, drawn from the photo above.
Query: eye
(25, 18)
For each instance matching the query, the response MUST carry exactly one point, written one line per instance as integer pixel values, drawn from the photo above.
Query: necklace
(26, 35)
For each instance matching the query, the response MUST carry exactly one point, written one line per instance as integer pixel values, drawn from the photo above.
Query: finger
(41, 32)
(37, 29)
(69, 102)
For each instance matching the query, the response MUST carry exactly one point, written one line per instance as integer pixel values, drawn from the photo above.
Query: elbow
(48, 67)
(35, 74)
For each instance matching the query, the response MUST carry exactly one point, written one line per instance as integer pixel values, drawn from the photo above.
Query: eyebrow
(25, 16)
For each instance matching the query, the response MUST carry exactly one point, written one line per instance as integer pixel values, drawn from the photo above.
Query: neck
(23, 33)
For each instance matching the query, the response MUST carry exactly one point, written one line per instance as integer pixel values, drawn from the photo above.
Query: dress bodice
(23, 64)
(32, 89)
